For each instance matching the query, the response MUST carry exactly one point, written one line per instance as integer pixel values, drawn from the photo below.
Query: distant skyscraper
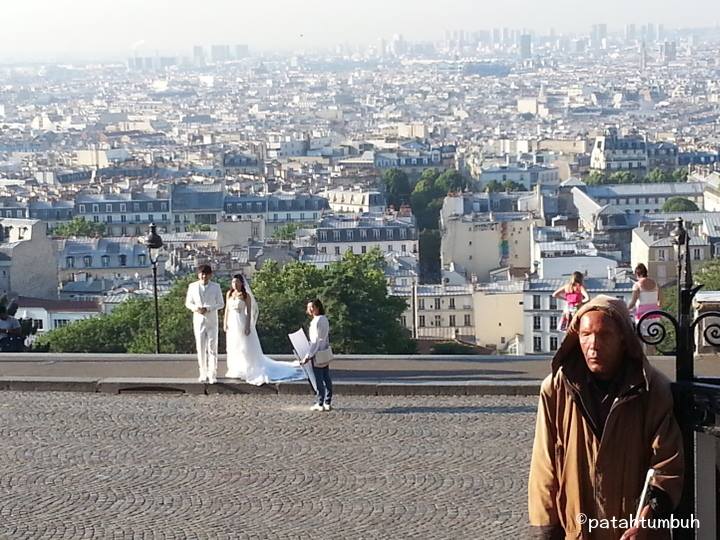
(668, 51)
(496, 36)
(198, 55)
(651, 32)
(643, 56)
(525, 46)
(630, 32)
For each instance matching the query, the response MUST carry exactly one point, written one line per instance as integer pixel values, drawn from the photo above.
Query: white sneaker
(201, 379)
(212, 380)
(317, 407)
(327, 407)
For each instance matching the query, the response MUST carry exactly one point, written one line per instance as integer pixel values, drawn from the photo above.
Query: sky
(51, 29)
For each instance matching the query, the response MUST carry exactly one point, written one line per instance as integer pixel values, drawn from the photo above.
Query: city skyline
(51, 31)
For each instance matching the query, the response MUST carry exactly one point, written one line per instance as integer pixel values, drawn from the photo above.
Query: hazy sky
(98, 28)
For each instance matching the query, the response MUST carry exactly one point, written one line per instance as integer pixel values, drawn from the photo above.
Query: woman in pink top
(645, 295)
(574, 294)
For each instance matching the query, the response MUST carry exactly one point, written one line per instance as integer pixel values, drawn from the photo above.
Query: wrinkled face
(601, 341)
(205, 278)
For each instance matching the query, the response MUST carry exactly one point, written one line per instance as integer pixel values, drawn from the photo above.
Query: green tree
(79, 227)
(680, 175)
(397, 187)
(450, 181)
(656, 176)
(595, 178)
(286, 232)
(679, 204)
(622, 177)
(429, 246)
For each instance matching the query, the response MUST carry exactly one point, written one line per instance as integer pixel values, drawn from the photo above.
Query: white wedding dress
(245, 358)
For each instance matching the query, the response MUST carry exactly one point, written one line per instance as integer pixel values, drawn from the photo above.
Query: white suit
(205, 325)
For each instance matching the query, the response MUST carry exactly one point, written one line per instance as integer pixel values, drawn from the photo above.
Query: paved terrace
(79, 466)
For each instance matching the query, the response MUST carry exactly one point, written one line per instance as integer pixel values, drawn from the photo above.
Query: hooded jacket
(599, 471)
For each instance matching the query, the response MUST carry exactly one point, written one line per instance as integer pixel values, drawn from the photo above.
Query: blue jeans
(324, 384)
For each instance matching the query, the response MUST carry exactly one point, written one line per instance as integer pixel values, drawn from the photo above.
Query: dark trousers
(324, 384)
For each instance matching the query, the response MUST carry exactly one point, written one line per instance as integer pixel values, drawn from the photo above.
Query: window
(438, 321)
(421, 322)
(105, 261)
(452, 320)
(363, 249)
(336, 236)
(553, 302)
(123, 218)
(141, 259)
(452, 303)
(553, 343)
(697, 254)
(466, 320)
(150, 207)
(137, 218)
(59, 323)
(337, 250)
(536, 322)
(403, 248)
(363, 233)
(537, 344)
(376, 233)
(96, 219)
(87, 261)
(81, 208)
(661, 255)
(553, 322)
(96, 208)
(163, 207)
(123, 207)
(70, 262)
(389, 248)
(136, 207)
(536, 301)
(151, 218)
(421, 303)
(108, 219)
(38, 323)
(164, 217)
(437, 303)
(108, 208)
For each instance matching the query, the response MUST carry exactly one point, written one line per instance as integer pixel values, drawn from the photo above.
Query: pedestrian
(320, 354)
(605, 417)
(574, 294)
(645, 293)
(204, 298)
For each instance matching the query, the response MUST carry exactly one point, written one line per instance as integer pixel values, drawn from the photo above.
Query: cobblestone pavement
(152, 466)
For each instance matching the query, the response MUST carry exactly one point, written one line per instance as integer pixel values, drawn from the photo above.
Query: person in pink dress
(574, 294)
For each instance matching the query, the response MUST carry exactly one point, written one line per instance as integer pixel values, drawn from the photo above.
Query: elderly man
(605, 417)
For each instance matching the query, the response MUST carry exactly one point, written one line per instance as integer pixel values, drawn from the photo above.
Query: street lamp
(153, 242)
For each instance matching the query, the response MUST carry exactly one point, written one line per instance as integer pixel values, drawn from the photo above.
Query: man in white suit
(205, 299)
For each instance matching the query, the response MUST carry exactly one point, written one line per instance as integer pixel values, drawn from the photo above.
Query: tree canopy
(397, 187)
(679, 204)
(79, 227)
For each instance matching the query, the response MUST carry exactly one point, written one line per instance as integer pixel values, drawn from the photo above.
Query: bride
(245, 358)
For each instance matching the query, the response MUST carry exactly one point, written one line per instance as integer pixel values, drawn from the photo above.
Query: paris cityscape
(441, 187)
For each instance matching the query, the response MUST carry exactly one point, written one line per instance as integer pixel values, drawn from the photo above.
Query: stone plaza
(263, 466)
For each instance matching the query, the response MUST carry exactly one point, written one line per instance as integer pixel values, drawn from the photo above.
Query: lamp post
(153, 242)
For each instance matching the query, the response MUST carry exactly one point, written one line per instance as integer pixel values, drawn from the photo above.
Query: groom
(204, 298)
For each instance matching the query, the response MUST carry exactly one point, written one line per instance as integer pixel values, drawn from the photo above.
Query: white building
(613, 153)
(438, 311)
(27, 259)
(355, 201)
(51, 314)
(529, 175)
(337, 235)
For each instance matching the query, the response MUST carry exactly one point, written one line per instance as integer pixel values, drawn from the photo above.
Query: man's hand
(247, 330)
(638, 532)
(202, 310)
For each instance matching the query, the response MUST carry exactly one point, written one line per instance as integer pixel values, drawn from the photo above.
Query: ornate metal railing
(697, 401)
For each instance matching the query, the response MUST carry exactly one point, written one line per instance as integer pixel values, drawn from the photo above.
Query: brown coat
(574, 470)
